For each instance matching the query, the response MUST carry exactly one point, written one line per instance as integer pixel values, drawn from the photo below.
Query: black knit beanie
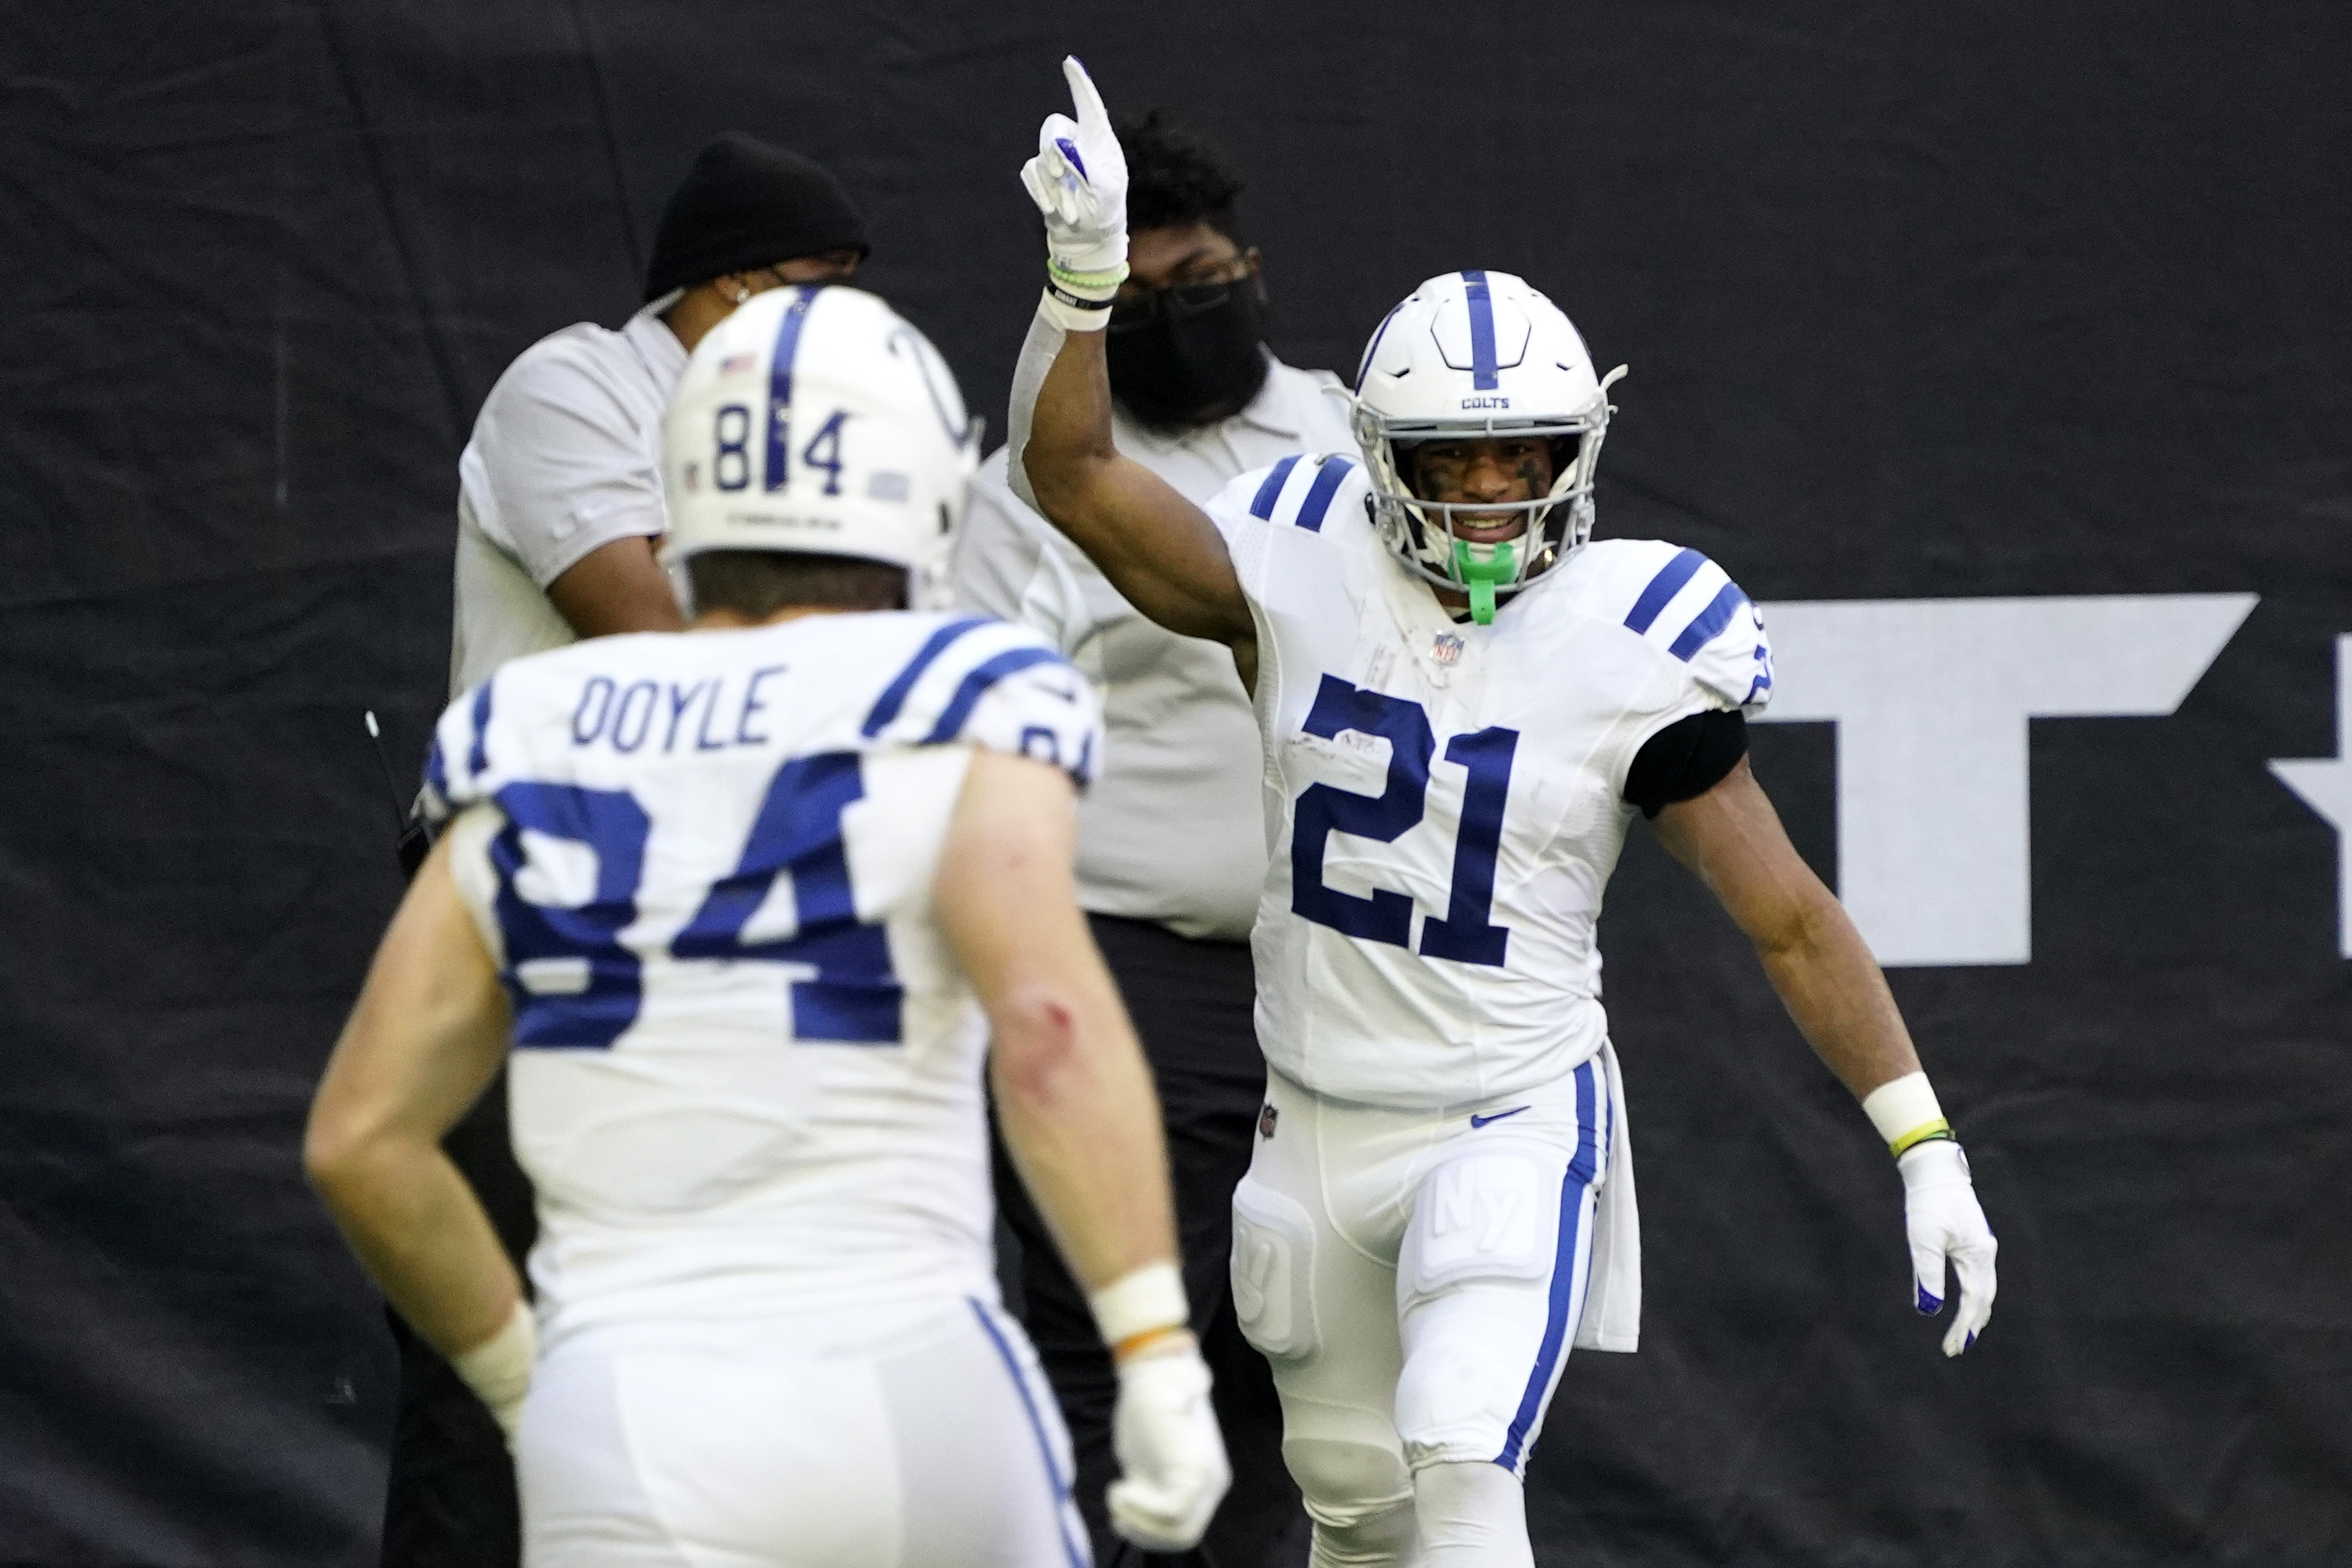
(747, 204)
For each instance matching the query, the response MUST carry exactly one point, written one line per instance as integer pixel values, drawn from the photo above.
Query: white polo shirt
(1173, 830)
(565, 456)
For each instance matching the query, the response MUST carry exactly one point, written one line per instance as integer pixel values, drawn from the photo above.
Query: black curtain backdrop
(2000, 299)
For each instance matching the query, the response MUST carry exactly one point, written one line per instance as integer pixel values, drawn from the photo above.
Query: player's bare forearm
(617, 587)
(424, 1038)
(1157, 549)
(422, 1234)
(1072, 1093)
(1074, 1100)
(1816, 960)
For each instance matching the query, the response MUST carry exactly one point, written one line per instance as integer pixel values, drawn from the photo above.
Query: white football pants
(798, 1441)
(1415, 1280)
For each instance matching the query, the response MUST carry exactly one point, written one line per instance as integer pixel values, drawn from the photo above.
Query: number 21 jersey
(1445, 800)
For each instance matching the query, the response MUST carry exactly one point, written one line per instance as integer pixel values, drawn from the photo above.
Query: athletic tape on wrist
(499, 1369)
(1905, 1112)
(1140, 1304)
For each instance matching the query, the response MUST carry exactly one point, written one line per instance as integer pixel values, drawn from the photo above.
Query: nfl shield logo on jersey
(1265, 1119)
(1447, 649)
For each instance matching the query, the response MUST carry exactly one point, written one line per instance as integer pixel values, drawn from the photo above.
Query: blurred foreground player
(559, 509)
(740, 898)
(1464, 702)
(1171, 844)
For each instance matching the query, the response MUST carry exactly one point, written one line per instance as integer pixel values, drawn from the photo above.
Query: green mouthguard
(1481, 577)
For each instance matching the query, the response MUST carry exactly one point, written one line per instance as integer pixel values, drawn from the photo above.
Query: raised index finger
(1092, 115)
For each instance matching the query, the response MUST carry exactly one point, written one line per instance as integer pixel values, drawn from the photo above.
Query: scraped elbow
(1039, 1057)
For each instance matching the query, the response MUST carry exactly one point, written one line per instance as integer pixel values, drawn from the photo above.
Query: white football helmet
(817, 420)
(1471, 355)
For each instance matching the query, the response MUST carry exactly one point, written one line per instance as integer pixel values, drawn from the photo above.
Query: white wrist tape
(1140, 1301)
(1905, 1112)
(499, 1369)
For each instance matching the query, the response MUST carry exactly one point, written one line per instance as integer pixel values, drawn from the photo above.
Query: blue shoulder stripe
(1261, 504)
(894, 695)
(780, 384)
(975, 685)
(1482, 376)
(1711, 619)
(1327, 480)
(1662, 587)
(477, 757)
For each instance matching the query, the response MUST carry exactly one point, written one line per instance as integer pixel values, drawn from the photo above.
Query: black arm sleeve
(1685, 759)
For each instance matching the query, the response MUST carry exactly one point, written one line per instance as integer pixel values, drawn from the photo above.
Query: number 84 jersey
(1445, 800)
(747, 1064)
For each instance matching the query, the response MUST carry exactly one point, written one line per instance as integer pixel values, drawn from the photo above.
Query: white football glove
(1171, 1460)
(1079, 181)
(1943, 1221)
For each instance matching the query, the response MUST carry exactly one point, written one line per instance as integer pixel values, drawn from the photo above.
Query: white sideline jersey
(747, 1066)
(1444, 801)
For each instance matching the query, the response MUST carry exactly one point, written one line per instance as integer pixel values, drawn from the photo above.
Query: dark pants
(1191, 1004)
(450, 1501)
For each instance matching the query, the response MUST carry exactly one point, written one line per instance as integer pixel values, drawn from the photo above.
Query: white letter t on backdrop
(2326, 785)
(1931, 698)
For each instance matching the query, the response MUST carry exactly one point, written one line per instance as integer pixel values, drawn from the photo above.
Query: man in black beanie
(559, 511)
(560, 500)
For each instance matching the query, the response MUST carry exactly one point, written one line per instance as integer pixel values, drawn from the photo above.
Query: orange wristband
(1136, 1344)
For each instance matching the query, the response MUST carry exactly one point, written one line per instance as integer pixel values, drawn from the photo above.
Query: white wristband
(1140, 1301)
(1905, 1112)
(499, 1369)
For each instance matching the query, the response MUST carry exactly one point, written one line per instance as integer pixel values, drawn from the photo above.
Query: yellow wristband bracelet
(1923, 1132)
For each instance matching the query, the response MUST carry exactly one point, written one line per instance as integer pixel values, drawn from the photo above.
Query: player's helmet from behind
(1468, 356)
(815, 420)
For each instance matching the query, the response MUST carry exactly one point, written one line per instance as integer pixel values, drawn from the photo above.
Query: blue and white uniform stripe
(1039, 1406)
(1686, 604)
(894, 696)
(1297, 492)
(779, 385)
(1572, 1267)
(1485, 374)
(933, 701)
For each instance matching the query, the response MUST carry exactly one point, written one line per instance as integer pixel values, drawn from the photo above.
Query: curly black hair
(1175, 180)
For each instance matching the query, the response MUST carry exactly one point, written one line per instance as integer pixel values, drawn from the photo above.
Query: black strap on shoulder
(1685, 759)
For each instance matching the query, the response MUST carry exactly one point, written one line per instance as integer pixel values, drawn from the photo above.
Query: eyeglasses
(1181, 300)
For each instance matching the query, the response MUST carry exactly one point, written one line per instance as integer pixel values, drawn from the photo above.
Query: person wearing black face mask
(1188, 352)
(1171, 848)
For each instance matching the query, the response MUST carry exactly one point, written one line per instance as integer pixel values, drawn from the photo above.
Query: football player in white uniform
(739, 898)
(1462, 703)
